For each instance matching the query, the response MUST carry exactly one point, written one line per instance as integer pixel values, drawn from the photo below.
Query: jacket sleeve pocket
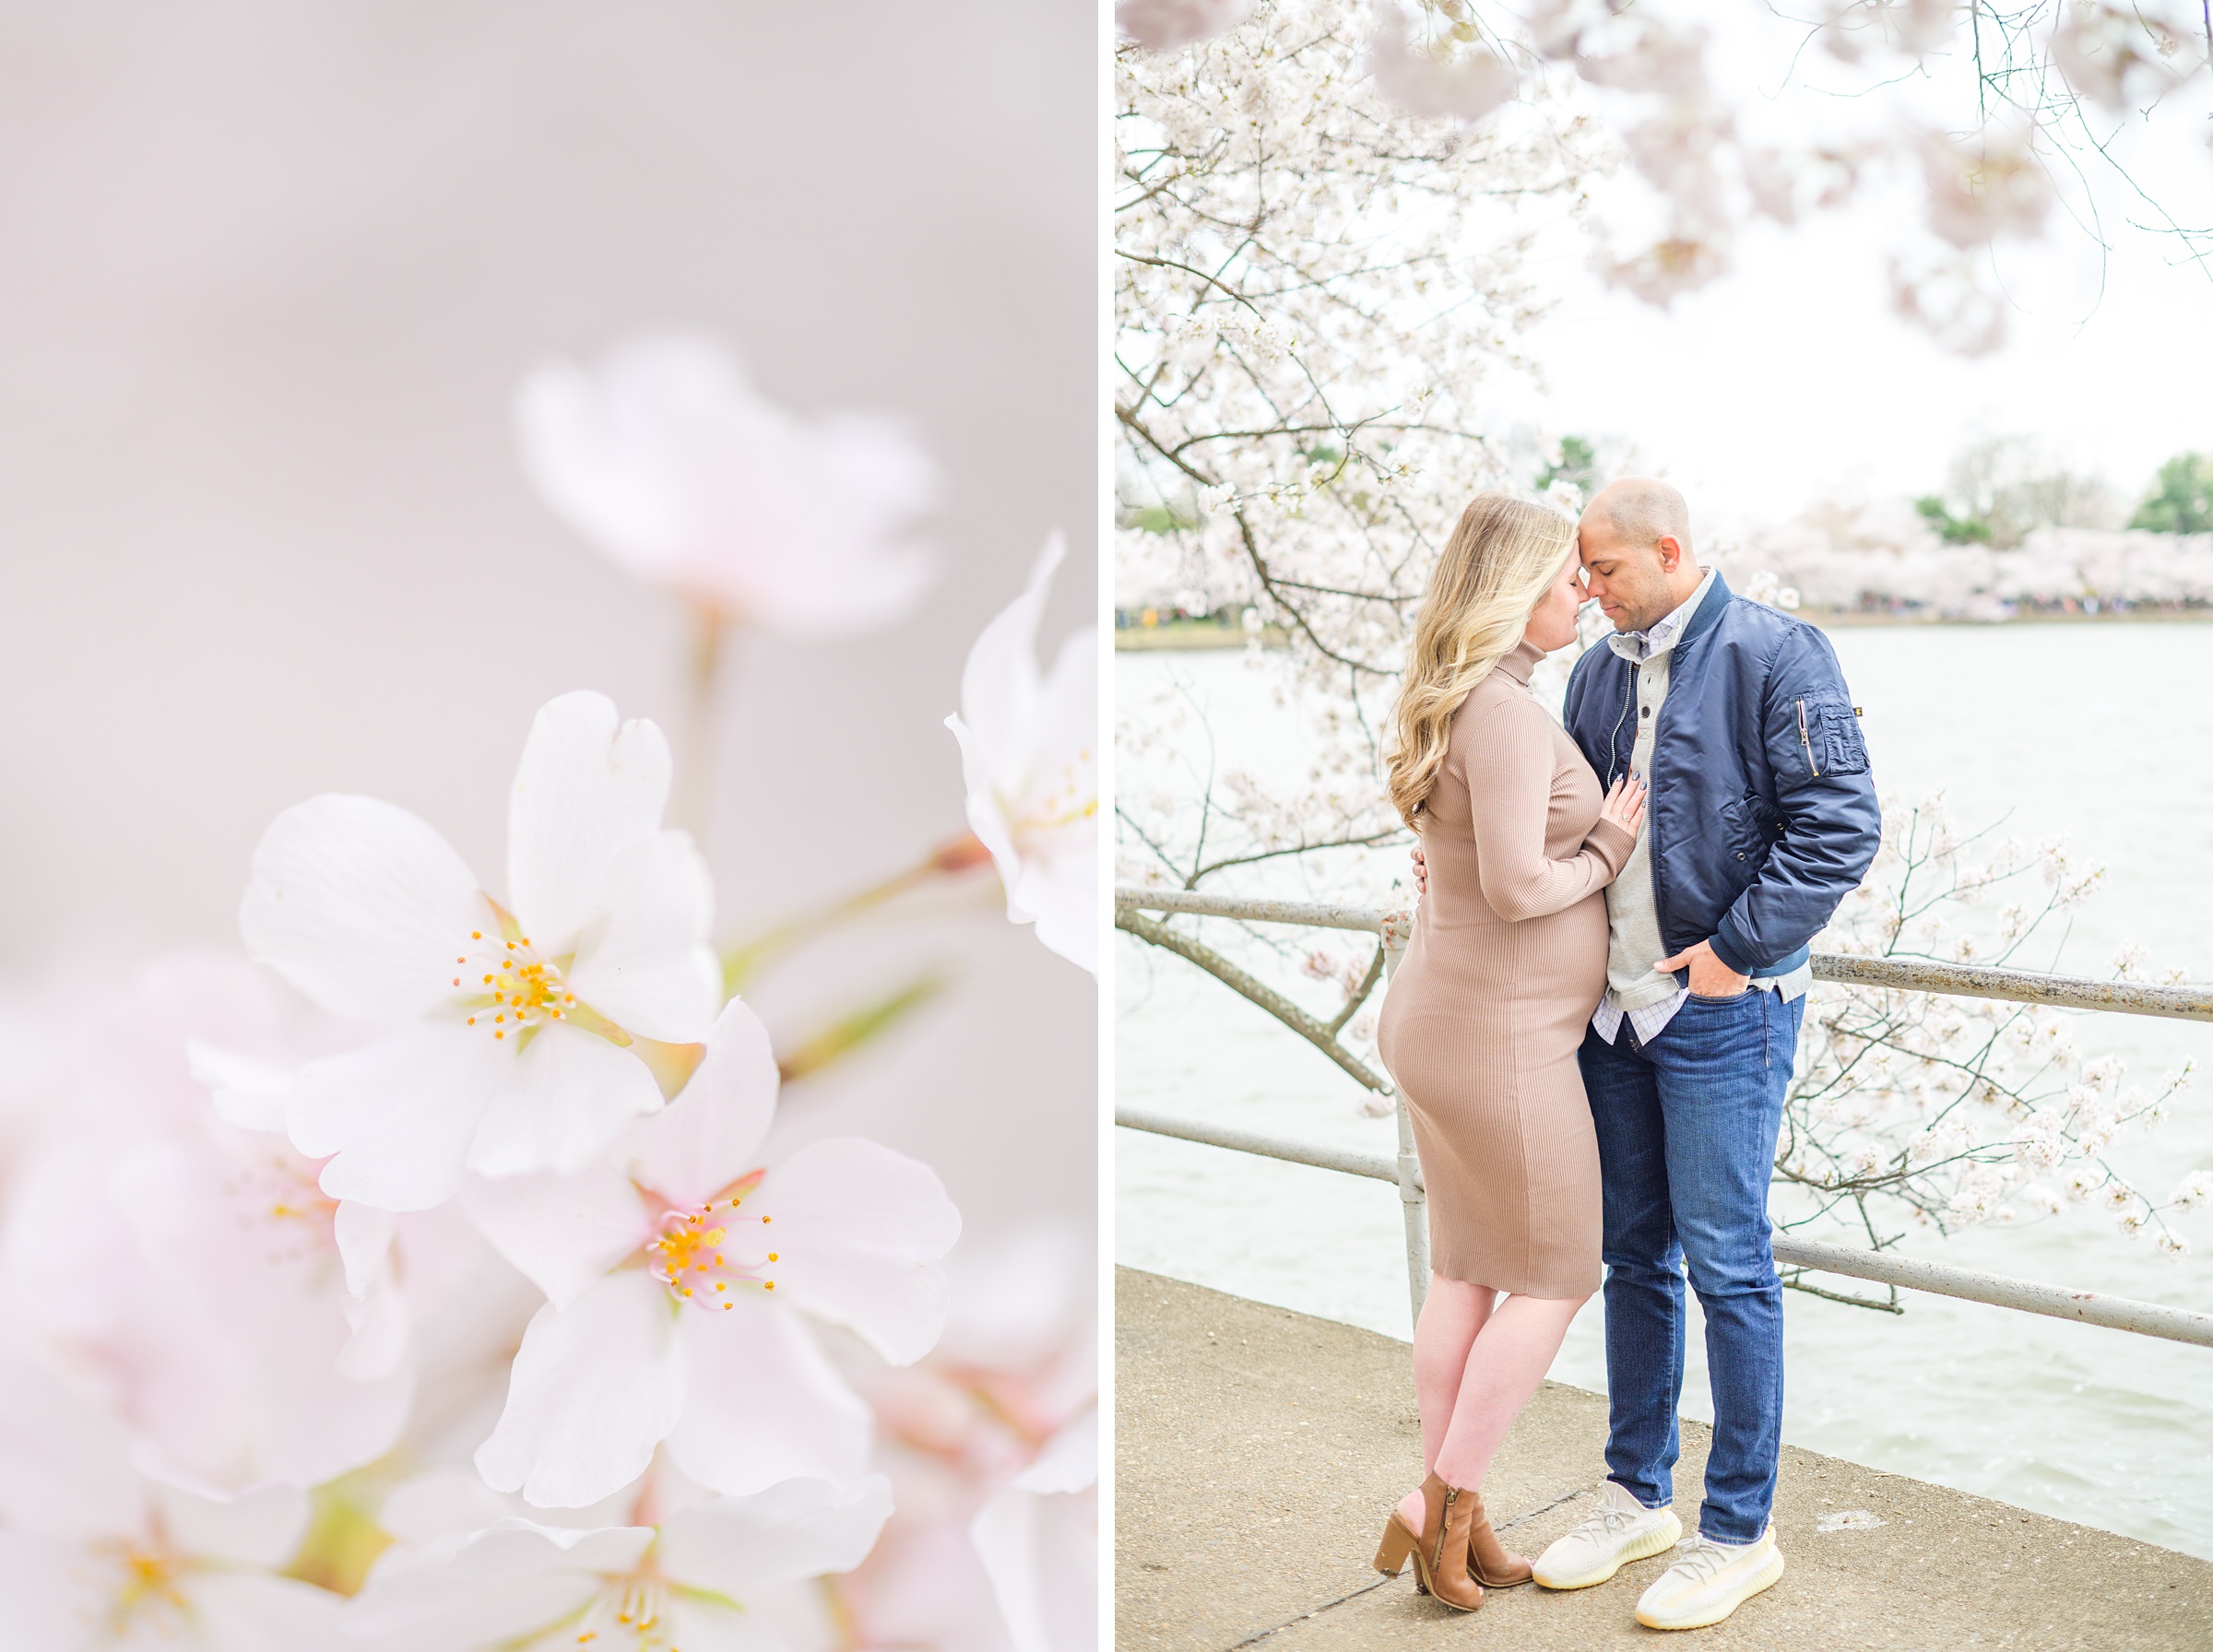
(1842, 750)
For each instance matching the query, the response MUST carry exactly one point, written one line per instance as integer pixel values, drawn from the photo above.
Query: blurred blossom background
(273, 279)
(375, 375)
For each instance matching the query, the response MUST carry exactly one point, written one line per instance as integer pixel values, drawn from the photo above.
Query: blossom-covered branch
(2002, 120)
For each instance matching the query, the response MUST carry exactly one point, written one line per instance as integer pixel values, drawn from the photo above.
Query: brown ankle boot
(1488, 1559)
(1446, 1551)
(1399, 1540)
(1439, 1549)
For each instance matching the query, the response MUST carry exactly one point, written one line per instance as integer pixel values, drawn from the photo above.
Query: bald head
(1642, 510)
(1635, 540)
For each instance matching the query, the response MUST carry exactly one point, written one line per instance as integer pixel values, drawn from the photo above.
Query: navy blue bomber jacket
(1762, 811)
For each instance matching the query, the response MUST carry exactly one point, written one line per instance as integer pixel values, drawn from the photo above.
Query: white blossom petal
(1062, 894)
(441, 1503)
(592, 459)
(1070, 1461)
(381, 1335)
(361, 905)
(47, 1594)
(258, 1527)
(519, 1581)
(1038, 1540)
(364, 1234)
(986, 814)
(375, 1311)
(561, 1232)
(709, 1135)
(799, 1528)
(1001, 690)
(699, 1625)
(559, 1103)
(1041, 1552)
(398, 1114)
(669, 460)
(587, 786)
(649, 968)
(249, 1093)
(247, 1611)
(65, 1462)
(594, 1388)
(763, 1405)
(856, 1226)
(1029, 761)
(1060, 881)
(524, 1547)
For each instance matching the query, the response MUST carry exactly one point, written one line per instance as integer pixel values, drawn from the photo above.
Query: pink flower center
(689, 1256)
(278, 1198)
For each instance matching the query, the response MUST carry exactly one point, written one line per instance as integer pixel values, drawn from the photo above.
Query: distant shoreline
(1850, 617)
(1186, 635)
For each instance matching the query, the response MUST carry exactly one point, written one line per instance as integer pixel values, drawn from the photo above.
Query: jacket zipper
(1614, 737)
(1805, 741)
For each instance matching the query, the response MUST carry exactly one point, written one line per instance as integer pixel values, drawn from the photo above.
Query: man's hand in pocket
(1709, 977)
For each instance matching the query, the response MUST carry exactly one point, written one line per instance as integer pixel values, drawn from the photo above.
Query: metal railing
(1394, 929)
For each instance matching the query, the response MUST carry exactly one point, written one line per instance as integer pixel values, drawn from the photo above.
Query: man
(1761, 817)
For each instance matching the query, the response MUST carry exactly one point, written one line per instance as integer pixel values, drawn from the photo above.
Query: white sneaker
(1708, 1581)
(1622, 1531)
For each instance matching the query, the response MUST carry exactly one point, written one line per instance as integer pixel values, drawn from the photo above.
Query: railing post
(1414, 1204)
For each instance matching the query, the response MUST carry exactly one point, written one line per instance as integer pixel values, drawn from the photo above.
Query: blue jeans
(1687, 1128)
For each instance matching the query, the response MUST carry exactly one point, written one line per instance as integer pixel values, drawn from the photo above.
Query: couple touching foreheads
(1594, 1025)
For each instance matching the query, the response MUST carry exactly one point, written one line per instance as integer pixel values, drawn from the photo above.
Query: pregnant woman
(1485, 1015)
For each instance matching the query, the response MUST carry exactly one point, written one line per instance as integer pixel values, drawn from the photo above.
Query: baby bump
(1539, 978)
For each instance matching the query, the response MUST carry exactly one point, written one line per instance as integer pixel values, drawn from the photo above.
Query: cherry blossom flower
(1164, 25)
(676, 1276)
(668, 460)
(472, 1575)
(1466, 86)
(517, 1031)
(1039, 1538)
(1027, 743)
(253, 1326)
(1993, 185)
(1017, 1364)
(94, 1552)
(215, 1277)
(2124, 56)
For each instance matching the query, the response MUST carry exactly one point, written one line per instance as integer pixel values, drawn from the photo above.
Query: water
(2103, 733)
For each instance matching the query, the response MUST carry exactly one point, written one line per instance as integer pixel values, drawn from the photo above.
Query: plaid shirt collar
(1638, 646)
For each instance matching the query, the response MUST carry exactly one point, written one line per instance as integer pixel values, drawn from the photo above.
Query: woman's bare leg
(1512, 1352)
(1453, 1315)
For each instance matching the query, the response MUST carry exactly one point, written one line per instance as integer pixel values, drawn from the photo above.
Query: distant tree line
(1998, 492)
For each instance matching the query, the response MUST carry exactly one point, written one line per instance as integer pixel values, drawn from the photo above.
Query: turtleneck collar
(1521, 662)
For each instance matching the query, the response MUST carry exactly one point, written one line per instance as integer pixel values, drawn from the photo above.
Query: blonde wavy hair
(1502, 557)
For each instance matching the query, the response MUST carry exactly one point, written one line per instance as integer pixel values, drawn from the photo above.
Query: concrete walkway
(1258, 1453)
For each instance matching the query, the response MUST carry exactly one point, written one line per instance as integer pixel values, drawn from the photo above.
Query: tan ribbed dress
(1485, 1012)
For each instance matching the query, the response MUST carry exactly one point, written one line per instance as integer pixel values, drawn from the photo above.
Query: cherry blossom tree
(1912, 1109)
(2005, 121)
(1315, 293)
